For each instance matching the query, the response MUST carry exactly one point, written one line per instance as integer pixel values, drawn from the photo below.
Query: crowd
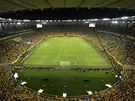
(12, 90)
(11, 50)
(130, 31)
(122, 49)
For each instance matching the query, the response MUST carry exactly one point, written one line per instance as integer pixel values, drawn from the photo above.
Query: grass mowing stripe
(80, 54)
(57, 78)
(65, 49)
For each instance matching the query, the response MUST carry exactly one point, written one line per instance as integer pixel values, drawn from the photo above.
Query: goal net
(64, 63)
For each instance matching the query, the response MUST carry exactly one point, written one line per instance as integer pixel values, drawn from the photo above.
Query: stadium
(67, 50)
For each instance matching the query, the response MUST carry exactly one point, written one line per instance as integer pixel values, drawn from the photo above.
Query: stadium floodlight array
(87, 22)
(18, 23)
(124, 17)
(10, 19)
(106, 19)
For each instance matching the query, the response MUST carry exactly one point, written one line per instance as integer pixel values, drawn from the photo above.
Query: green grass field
(73, 80)
(76, 51)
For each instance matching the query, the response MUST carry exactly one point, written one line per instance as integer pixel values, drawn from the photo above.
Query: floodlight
(51, 20)
(69, 20)
(2, 18)
(25, 20)
(9, 19)
(87, 22)
(94, 20)
(106, 19)
(125, 17)
(115, 22)
(44, 22)
(58, 20)
(37, 20)
(18, 23)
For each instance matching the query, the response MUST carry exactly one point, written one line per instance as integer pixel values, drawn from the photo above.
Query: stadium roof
(13, 5)
(10, 6)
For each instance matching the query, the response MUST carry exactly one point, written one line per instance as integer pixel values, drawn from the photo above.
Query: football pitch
(74, 52)
(72, 82)
(67, 53)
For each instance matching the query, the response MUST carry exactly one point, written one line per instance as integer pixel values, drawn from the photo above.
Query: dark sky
(69, 13)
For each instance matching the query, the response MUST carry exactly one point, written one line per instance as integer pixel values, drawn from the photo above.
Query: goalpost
(65, 63)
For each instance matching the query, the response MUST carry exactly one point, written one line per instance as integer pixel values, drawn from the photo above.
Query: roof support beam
(117, 1)
(5, 9)
(65, 2)
(48, 3)
(10, 1)
(27, 4)
(130, 6)
(81, 3)
(100, 3)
